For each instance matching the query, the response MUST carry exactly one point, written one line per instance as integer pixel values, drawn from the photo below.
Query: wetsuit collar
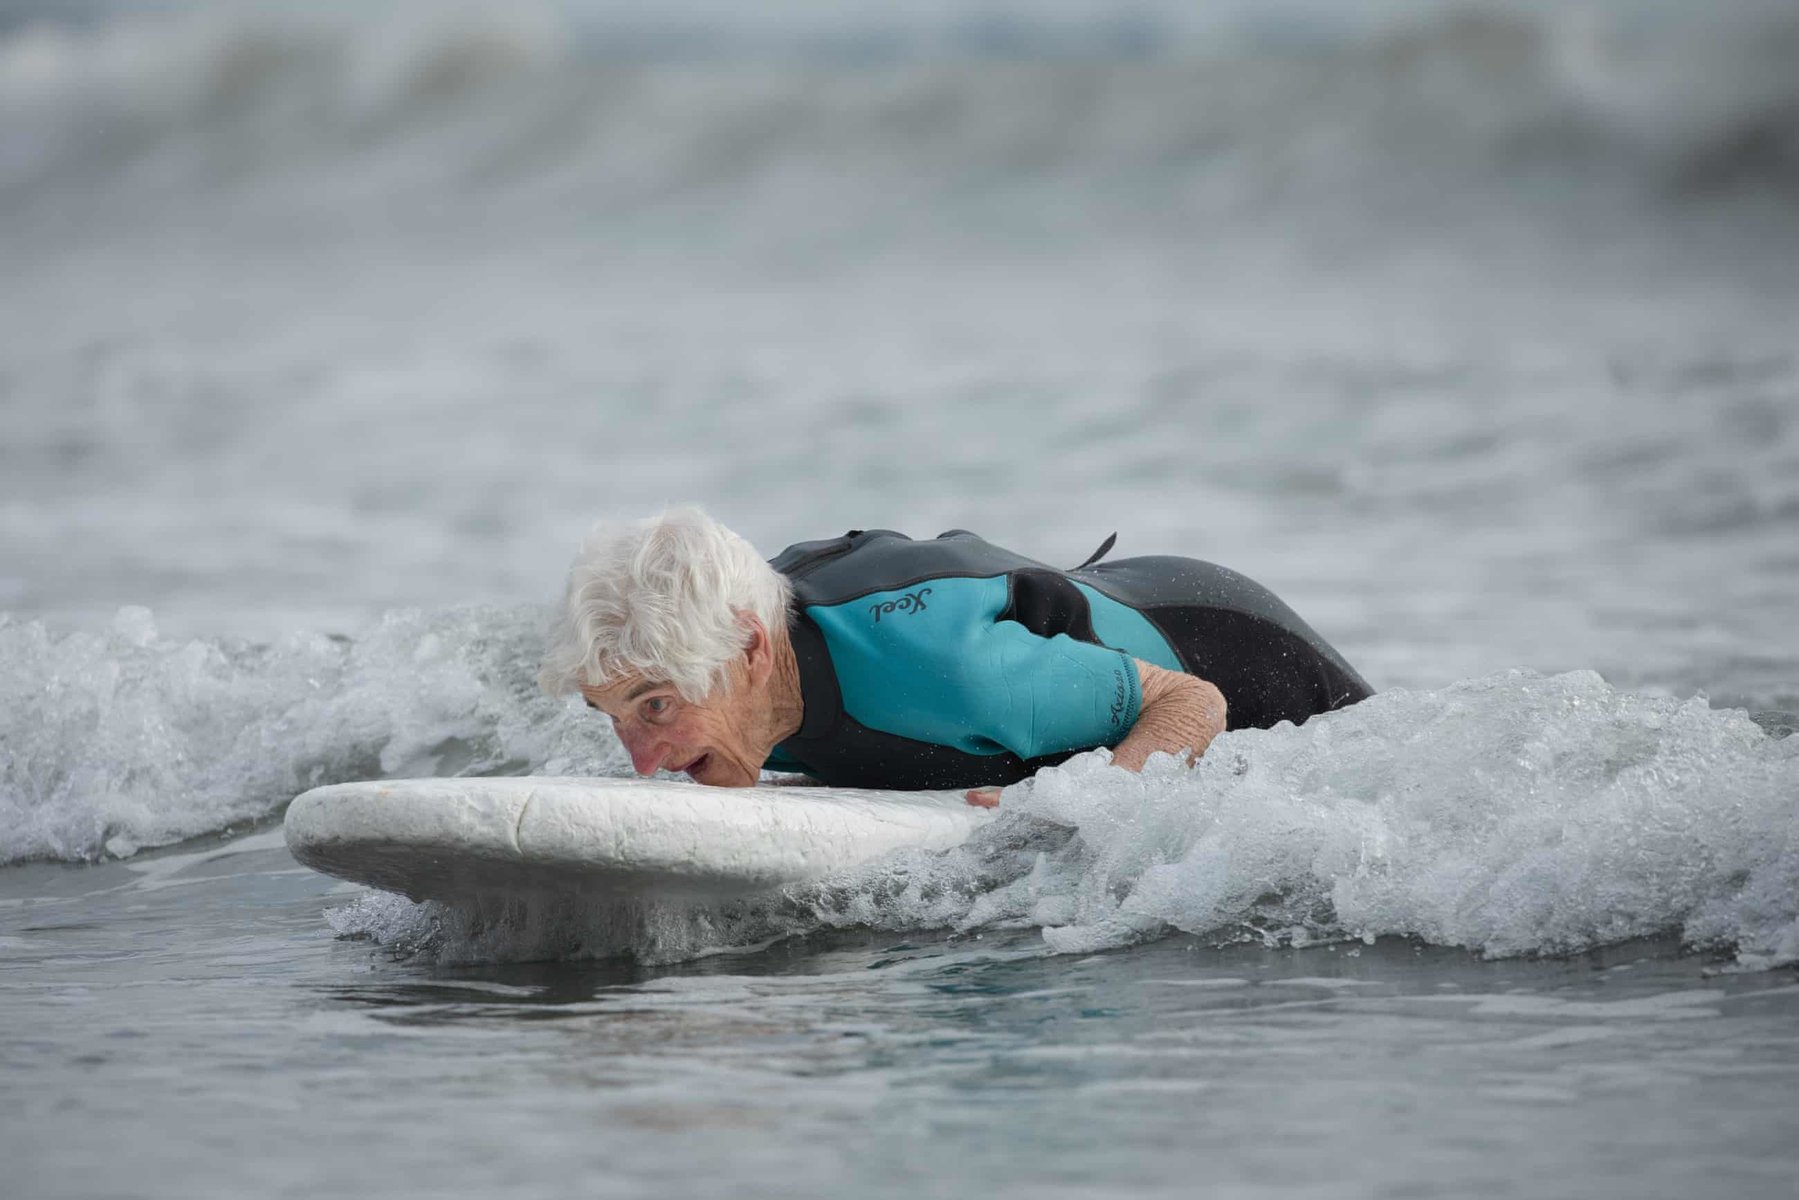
(818, 679)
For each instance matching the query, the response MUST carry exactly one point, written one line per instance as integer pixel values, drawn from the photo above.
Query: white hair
(662, 598)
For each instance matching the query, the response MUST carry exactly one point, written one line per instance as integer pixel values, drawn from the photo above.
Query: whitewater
(1467, 329)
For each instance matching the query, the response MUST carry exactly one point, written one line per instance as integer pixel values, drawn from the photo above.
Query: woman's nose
(647, 751)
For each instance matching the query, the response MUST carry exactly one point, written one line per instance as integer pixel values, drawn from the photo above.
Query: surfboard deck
(443, 839)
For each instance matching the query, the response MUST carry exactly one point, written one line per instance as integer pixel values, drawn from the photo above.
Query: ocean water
(1470, 329)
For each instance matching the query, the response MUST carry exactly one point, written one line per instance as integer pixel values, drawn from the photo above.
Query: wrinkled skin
(722, 740)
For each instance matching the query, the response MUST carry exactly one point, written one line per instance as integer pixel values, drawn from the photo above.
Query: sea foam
(114, 742)
(1513, 814)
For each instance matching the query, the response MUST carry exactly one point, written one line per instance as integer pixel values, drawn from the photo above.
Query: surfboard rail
(450, 838)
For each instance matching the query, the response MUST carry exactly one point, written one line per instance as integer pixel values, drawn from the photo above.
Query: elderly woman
(872, 660)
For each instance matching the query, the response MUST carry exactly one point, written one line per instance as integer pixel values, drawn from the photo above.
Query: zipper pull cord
(1104, 548)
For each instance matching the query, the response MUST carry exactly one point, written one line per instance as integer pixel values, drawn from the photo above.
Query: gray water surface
(184, 1024)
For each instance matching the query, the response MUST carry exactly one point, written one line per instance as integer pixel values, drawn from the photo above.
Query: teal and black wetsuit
(955, 663)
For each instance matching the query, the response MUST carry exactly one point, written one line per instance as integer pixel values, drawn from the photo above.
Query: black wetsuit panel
(1233, 632)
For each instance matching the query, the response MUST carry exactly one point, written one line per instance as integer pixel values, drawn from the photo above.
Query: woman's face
(715, 742)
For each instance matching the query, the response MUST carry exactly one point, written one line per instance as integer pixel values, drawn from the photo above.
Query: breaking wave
(110, 743)
(1515, 814)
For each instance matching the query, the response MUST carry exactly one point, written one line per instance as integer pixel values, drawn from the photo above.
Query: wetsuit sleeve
(938, 664)
(1048, 695)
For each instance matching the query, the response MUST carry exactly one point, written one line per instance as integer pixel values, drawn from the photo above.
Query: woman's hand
(987, 797)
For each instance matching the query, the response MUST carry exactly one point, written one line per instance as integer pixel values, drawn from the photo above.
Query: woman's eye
(656, 706)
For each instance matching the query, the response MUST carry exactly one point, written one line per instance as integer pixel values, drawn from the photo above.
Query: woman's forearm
(1180, 714)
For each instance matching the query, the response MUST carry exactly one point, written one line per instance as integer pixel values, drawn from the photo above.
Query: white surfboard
(444, 839)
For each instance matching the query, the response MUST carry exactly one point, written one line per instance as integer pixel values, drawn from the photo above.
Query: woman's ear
(758, 651)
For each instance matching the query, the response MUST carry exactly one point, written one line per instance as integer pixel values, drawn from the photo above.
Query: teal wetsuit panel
(1118, 624)
(934, 663)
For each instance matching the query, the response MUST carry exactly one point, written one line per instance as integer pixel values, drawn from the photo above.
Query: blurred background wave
(1150, 114)
(1467, 327)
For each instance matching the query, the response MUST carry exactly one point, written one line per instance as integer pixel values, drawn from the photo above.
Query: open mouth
(692, 769)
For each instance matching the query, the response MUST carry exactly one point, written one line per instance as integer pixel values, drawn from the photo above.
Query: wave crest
(1515, 814)
(124, 740)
